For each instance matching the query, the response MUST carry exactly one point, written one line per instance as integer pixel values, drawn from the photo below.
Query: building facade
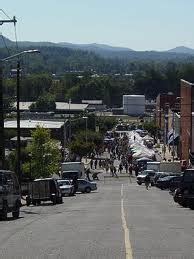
(187, 107)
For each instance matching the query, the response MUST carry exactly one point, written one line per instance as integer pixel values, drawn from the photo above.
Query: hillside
(60, 57)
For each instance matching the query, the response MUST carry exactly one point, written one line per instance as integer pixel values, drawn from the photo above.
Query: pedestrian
(95, 163)
(136, 170)
(100, 163)
(130, 169)
(147, 181)
(120, 168)
(88, 174)
(75, 184)
(106, 167)
(112, 170)
(91, 163)
(115, 172)
(126, 167)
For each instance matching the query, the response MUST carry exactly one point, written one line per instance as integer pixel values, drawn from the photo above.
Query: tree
(79, 146)
(45, 154)
(44, 103)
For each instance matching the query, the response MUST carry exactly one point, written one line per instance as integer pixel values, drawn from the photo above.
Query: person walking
(91, 163)
(75, 184)
(115, 172)
(147, 181)
(120, 168)
(88, 174)
(112, 170)
(126, 167)
(95, 163)
(130, 169)
(106, 167)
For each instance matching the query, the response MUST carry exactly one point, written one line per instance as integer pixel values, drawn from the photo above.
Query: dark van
(44, 190)
(10, 196)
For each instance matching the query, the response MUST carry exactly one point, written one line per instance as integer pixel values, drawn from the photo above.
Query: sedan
(66, 187)
(86, 186)
(142, 175)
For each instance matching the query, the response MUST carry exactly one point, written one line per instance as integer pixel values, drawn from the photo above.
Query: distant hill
(60, 57)
(183, 50)
(103, 50)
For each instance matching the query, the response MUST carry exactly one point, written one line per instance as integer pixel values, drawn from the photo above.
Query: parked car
(67, 188)
(86, 186)
(44, 190)
(10, 194)
(160, 175)
(175, 183)
(142, 175)
(184, 195)
(168, 182)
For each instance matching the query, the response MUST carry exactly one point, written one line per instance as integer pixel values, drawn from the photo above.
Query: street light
(17, 55)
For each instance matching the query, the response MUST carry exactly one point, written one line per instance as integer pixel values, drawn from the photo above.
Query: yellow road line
(128, 249)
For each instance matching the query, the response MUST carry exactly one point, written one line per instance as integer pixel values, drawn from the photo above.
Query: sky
(136, 24)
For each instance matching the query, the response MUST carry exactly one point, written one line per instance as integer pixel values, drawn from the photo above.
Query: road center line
(128, 249)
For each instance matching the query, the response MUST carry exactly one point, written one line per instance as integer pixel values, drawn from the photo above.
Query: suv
(184, 195)
(10, 196)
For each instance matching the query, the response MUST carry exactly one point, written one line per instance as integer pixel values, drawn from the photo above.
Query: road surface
(120, 220)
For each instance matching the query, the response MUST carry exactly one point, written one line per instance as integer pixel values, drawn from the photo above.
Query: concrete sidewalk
(167, 154)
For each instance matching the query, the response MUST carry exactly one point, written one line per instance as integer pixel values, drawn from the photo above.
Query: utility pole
(18, 124)
(2, 141)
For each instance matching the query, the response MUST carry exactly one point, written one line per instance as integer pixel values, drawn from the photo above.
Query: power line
(5, 14)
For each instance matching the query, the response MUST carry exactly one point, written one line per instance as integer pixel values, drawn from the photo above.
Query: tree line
(45, 89)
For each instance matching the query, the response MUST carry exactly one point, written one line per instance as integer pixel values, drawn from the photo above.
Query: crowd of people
(120, 159)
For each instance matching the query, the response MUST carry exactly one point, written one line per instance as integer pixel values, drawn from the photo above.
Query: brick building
(187, 107)
(163, 101)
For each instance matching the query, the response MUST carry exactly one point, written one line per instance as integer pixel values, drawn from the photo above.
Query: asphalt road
(120, 220)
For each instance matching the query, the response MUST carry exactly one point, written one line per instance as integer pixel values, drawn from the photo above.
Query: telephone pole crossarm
(8, 21)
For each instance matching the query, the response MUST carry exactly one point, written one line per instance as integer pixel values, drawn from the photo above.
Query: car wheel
(4, 212)
(88, 189)
(140, 183)
(16, 212)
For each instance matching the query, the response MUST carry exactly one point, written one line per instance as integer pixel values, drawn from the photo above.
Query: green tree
(44, 103)
(79, 146)
(45, 154)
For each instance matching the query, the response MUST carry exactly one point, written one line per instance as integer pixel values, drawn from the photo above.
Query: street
(93, 226)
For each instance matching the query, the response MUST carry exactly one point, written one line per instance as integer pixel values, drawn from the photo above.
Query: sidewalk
(167, 154)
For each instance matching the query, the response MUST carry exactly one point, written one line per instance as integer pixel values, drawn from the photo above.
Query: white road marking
(128, 249)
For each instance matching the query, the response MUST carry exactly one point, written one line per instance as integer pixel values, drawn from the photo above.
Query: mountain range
(100, 49)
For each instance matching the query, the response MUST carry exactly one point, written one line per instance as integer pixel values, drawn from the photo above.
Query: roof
(59, 106)
(32, 124)
(21, 138)
(92, 102)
